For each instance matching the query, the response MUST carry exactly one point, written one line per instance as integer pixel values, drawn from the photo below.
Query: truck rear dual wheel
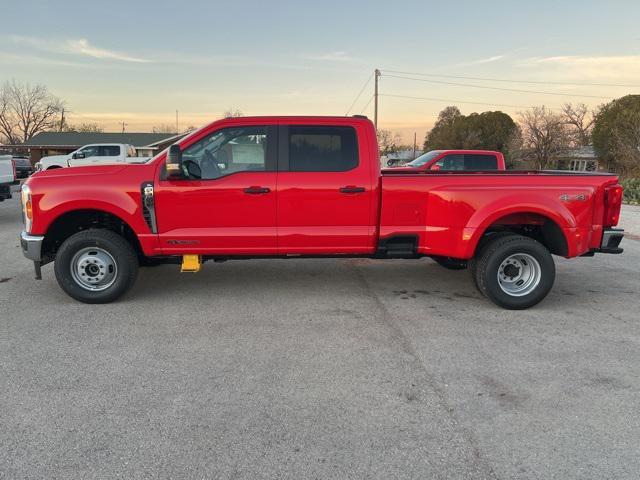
(513, 271)
(96, 266)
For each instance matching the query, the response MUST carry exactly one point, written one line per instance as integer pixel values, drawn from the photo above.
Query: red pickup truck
(310, 187)
(455, 160)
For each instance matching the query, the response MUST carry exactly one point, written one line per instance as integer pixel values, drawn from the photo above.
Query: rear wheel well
(532, 225)
(73, 222)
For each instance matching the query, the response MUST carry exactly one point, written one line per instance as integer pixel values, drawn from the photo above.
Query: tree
(580, 120)
(481, 131)
(164, 128)
(388, 142)
(545, 135)
(616, 134)
(442, 133)
(84, 127)
(232, 112)
(26, 110)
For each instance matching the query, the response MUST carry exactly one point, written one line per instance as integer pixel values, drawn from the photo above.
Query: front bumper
(31, 246)
(611, 238)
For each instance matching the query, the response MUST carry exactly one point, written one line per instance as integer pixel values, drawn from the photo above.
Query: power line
(497, 88)
(457, 101)
(359, 94)
(532, 82)
(368, 103)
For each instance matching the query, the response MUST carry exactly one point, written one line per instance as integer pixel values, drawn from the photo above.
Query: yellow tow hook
(191, 263)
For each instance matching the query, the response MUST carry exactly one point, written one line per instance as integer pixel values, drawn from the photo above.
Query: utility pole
(62, 120)
(177, 129)
(123, 125)
(375, 99)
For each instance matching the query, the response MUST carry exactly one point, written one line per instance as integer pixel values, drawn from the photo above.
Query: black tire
(472, 263)
(502, 248)
(116, 246)
(451, 263)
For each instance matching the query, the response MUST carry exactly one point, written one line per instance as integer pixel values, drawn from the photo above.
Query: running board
(398, 247)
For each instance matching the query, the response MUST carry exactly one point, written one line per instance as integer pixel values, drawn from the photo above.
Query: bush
(631, 190)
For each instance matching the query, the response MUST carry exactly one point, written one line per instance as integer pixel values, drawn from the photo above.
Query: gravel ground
(320, 369)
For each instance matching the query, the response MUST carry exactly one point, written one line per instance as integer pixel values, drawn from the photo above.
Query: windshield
(424, 158)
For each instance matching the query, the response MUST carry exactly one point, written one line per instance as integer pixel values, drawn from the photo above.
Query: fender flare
(538, 205)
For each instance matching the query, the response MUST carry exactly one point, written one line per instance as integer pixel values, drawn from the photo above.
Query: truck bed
(448, 212)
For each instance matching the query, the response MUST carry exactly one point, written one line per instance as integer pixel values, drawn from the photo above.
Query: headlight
(27, 207)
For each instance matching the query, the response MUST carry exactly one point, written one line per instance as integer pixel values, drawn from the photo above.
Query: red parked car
(291, 187)
(456, 160)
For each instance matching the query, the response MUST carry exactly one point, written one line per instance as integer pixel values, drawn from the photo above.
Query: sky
(138, 62)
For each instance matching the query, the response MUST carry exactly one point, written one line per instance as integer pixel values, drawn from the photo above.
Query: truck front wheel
(514, 271)
(96, 266)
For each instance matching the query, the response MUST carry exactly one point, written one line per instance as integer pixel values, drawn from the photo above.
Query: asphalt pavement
(328, 369)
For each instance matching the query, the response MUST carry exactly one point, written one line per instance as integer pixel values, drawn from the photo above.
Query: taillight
(612, 205)
(13, 165)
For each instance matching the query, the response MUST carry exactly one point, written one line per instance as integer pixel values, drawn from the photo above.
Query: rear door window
(468, 161)
(109, 150)
(322, 149)
(480, 162)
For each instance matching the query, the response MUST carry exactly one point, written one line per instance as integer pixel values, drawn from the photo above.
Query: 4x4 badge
(580, 197)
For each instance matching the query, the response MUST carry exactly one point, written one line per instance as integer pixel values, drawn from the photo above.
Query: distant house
(580, 159)
(60, 143)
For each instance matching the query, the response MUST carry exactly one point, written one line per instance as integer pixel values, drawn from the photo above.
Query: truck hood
(95, 170)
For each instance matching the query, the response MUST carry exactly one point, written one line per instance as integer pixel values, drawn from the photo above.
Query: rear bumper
(611, 238)
(31, 246)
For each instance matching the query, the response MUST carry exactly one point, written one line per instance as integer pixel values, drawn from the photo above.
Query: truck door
(227, 205)
(324, 191)
(85, 156)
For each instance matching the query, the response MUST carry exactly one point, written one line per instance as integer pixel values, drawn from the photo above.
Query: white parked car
(95, 154)
(7, 176)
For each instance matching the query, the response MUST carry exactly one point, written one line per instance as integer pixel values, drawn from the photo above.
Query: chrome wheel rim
(519, 274)
(94, 269)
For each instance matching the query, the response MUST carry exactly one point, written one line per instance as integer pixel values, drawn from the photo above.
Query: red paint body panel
(304, 213)
(450, 212)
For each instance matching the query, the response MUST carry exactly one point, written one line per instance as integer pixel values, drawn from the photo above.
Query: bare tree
(232, 112)
(388, 142)
(26, 110)
(580, 119)
(164, 128)
(84, 127)
(545, 135)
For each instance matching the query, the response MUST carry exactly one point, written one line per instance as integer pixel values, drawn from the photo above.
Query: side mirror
(174, 162)
(77, 155)
(390, 163)
(435, 166)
